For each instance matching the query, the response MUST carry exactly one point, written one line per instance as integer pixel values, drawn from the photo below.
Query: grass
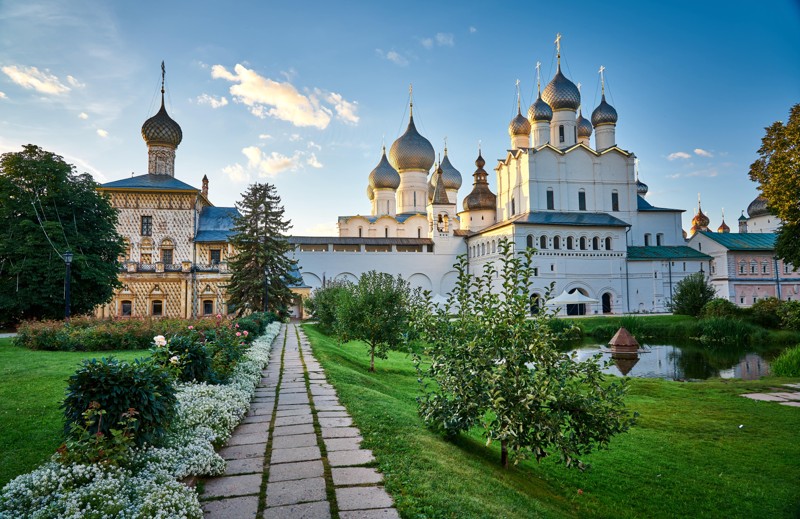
(32, 385)
(788, 363)
(687, 457)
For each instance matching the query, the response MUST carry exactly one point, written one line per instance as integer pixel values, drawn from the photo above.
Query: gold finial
(698, 202)
(602, 80)
(558, 47)
(538, 77)
(519, 110)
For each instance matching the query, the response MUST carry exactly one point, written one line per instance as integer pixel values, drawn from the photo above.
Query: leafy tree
(692, 293)
(261, 250)
(324, 301)
(492, 365)
(374, 311)
(778, 172)
(46, 209)
(720, 307)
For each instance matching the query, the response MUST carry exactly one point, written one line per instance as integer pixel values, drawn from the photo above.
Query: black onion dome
(450, 175)
(561, 93)
(604, 113)
(540, 111)
(162, 129)
(584, 126)
(758, 207)
(481, 197)
(411, 151)
(519, 126)
(641, 187)
(384, 175)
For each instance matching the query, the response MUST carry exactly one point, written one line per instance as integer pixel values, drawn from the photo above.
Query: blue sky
(303, 94)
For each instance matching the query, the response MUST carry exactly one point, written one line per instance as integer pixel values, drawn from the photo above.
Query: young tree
(691, 295)
(47, 208)
(490, 363)
(324, 301)
(261, 253)
(777, 170)
(374, 311)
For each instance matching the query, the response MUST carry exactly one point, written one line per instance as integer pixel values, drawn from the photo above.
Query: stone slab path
(790, 397)
(297, 454)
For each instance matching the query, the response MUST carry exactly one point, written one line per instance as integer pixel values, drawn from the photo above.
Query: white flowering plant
(146, 483)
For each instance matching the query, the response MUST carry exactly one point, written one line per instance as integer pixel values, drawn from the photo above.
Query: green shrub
(323, 303)
(118, 387)
(86, 443)
(256, 323)
(725, 330)
(186, 356)
(789, 313)
(765, 312)
(564, 330)
(719, 307)
(691, 295)
(788, 363)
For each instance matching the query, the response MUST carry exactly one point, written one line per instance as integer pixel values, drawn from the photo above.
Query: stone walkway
(297, 453)
(790, 397)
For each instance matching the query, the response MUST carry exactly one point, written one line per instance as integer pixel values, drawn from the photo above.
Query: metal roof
(337, 240)
(665, 252)
(216, 224)
(644, 205)
(578, 219)
(150, 182)
(400, 218)
(755, 241)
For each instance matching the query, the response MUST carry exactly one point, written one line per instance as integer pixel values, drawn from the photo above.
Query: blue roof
(152, 182)
(665, 252)
(644, 205)
(572, 218)
(295, 273)
(756, 241)
(216, 224)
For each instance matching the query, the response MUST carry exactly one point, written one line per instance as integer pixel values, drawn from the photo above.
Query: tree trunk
(372, 359)
(503, 455)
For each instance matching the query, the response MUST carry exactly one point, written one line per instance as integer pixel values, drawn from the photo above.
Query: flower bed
(147, 483)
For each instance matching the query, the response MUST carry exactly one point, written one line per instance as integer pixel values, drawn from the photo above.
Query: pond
(674, 362)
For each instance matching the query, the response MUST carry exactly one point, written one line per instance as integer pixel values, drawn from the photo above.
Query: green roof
(664, 252)
(743, 241)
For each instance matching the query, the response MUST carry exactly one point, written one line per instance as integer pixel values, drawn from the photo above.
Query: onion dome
(370, 193)
(384, 175)
(540, 111)
(411, 151)
(604, 113)
(519, 125)
(481, 197)
(641, 188)
(161, 129)
(561, 93)
(758, 207)
(742, 217)
(700, 220)
(450, 175)
(723, 227)
(584, 126)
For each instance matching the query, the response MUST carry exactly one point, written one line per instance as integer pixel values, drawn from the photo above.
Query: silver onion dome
(561, 93)
(481, 197)
(450, 175)
(758, 207)
(641, 188)
(370, 193)
(584, 126)
(161, 129)
(384, 175)
(540, 111)
(604, 113)
(519, 126)
(411, 151)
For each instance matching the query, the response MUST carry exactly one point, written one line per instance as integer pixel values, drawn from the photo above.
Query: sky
(303, 94)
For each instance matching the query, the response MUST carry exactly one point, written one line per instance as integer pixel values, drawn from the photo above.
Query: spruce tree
(261, 252)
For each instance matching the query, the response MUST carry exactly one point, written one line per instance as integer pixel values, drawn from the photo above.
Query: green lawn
(687, 457)
(32, 385)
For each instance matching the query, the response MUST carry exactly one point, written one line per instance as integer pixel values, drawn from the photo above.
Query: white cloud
(345, 110)
(294, 137)
(313, 162)
(702, 152)
(393, 56)
(3, 95)
(289, 74)
(268, 98)
(264, 136)
(236, 173)
(445, 39)
(270, 165)
(321, 229)
(313, 146)
(472, 30)
(32, 78)
(102, 133)
(427, 42)
(83, 115)
(74, 82)
(678, 155)
(212, 101)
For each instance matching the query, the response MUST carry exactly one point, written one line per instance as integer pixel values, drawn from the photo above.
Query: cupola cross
(602, 79)
(538, 77)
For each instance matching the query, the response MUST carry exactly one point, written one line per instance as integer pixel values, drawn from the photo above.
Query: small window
(741, 270)
(561, 133)
(535, 271)
(741, 300)
(483, 249)
(419, 232)
(147, 225)
(615, 201)
(596, 243)
(764, 268)
(660, 240)
(126, 308)
(529, 241)
(551, 202)
(583, 243)
(415, 199)
(494, 246)
(700, 246)
(361, 232)
(157, 308)
(655, 275)
(166, 256)
(570, 243)
(608, 243)
(647, 239)
(214, 256)
(753, 267)
(513, 206)
(208, 307)
(684, 266)
(556, 242)
(581, 200)
(543, 242)
(385, 232)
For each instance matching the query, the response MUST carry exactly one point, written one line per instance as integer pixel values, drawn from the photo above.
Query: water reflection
(678, 362)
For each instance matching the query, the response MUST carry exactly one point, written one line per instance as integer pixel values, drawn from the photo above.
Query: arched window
(614, 200)
(385, 232)
(608, 243)
(596, 243)
(583, 243)
(647, 239)
(529, 241)
(494, 246)
(483, 249)
(660, 239)
(360, 232)
(543, 242)
(581, 200)
(551, 200)
(419, 232)
(561, 133)
(607, 303)
(570, 243)
(536, 303)
(513, 206)
(556, 242)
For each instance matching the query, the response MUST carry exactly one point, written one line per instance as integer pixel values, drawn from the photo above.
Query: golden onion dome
(411, 151)
(700, 219)
(384, 175)
(561, 93)
(723, 227)
(604, 113)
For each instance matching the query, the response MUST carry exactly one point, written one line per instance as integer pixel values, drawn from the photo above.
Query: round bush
(118, 386)
(789, 313)
(719, 307)
(765, 312)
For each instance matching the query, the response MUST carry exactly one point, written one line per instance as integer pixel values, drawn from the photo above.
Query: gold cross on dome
(558, 42)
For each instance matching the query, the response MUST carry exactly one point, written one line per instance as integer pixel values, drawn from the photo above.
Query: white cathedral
(581, 207)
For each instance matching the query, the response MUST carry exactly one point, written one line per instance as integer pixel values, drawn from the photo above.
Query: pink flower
(238, 334)
(237, 325)
(191, 327)
(219, 316)
(246, 333)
